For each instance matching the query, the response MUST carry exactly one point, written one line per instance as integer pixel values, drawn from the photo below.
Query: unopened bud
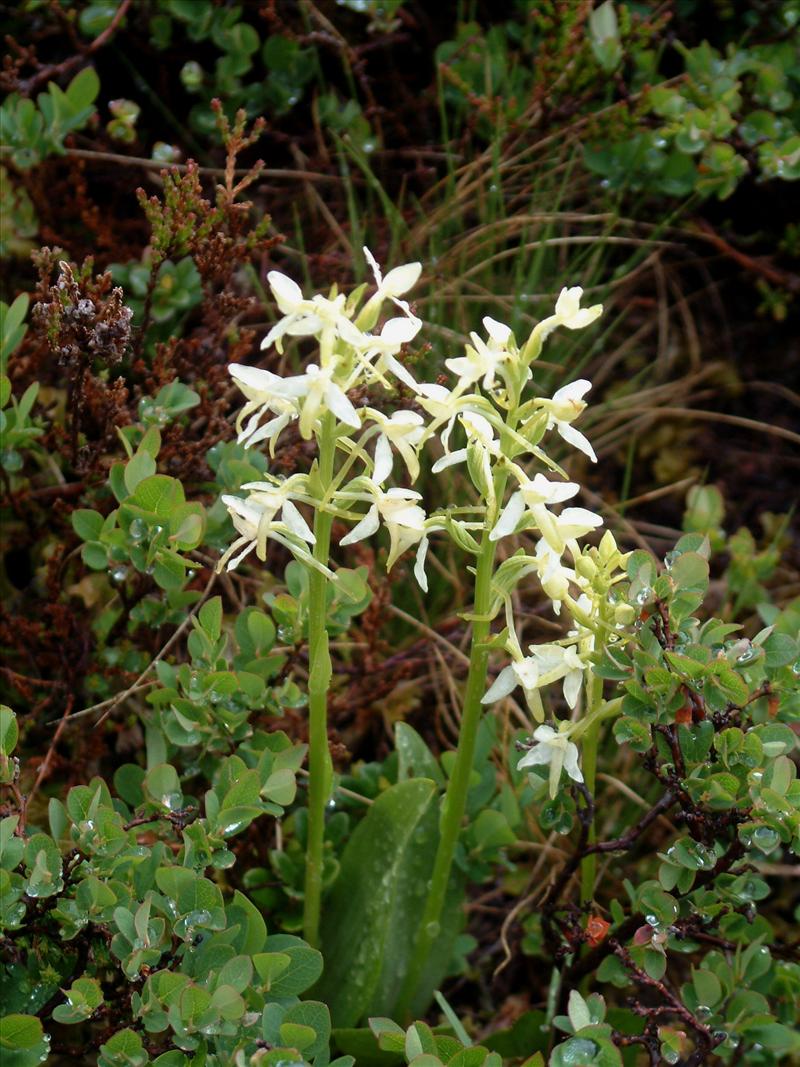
(585, 567)
(607, 547)
(556, 586)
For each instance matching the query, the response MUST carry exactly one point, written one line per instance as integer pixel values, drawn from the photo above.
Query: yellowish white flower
(572, 523)
(397, 282)
(268, 513)
(569, 311)
(394, 334)
(546, 664)
(266, 393)
(553, 748)
(319, 317)
(564, 407)
(479, 432)
(554, 577)
(482, 359)
(533, 494)
(319, 392)
(403, 431)
(403, 518)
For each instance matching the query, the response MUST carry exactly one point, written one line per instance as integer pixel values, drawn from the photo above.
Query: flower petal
(400, 330)
(498, 331)
(504, 683)
(296, 523)
(509, 517)
(419, 564)
(341, 407)
(572, 687)
(287, 293)
(535, 757)
(571, 762)
(400, 279)
(366, 528)
(383, 460)
(577, 440)
(573, 391)
(449, 460)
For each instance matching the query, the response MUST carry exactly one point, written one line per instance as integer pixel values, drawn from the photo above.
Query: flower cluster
(499, 425)
(351, 357)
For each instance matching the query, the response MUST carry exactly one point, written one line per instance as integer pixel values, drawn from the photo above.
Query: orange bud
(684, 714)
(596, 930)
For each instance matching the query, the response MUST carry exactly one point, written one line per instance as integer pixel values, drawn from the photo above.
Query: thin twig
(211, 172)
(115, 701)
(57, 70)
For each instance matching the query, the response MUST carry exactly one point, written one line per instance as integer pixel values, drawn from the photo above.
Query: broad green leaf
(314, 1016)
(83, 89)
(305, 965)
(414, 758)
(87, 524)
(22, 1041)
(375, 903)
(210, 617)
(9, 731)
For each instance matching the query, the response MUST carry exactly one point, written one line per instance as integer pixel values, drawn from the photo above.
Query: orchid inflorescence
(501, 430)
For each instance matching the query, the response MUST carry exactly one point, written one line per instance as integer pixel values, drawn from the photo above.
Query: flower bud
(624, 614)
(556, 586)
(607, 547)
(585, 567)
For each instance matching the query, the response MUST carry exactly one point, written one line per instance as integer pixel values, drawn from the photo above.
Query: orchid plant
(344, 477)
(503, 424)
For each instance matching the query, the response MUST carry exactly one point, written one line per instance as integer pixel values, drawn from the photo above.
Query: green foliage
(263, 77)
(419, 1044)
(210, 981)
(150, 529)
(730, 116)
(35, 131)
(365, 937)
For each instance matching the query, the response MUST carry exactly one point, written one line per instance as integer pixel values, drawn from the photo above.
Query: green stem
(319, 759)
(456, 796)
(594, 699)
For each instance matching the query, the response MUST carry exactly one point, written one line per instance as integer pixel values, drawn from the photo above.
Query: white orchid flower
(394, 334)
(444, 405)
(546, 664)
(564, 407)
(266, 393)
(569, 311)
(554, 577)
(401, 515)
(316, 390)
(534, 495)
(267, 513)
(482, 359)
(479, 431)
(555, 748)
(554, 662)
(572, 523)
(403, 431)
(303, 318)
(397, 282)
(524, 672)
